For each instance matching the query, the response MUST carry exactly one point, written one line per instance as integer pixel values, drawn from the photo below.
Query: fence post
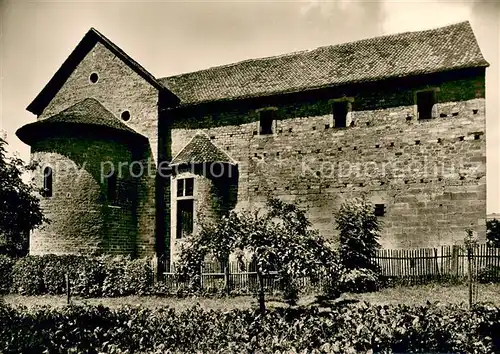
(227, 280)
(201, 277)
(154, 267)
(438, 273)
(68, 290)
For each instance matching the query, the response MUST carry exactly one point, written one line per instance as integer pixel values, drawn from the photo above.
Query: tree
(19, 207)
(278, 238)
(493, 232)
(359, 233)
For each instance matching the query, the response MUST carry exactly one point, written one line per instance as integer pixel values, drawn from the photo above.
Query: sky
(168, 38)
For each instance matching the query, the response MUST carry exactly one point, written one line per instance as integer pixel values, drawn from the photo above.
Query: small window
(111, 184)
(125, 115)
(185, 187)
(379, 209)
(425, 104)
(185, 212)
(340, 110)
(47, 182)
(94, 78)
(267, 118)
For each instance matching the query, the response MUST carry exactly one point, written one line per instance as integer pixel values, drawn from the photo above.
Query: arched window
(111, 187)
(47, 182)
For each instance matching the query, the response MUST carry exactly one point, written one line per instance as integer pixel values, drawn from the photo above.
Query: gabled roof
(88, 112)
(76, 56)
(199, 150)
(391, 56)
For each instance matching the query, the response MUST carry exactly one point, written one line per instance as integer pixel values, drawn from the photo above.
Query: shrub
(137, 277)
(114, 272)
(359, 233)
(359, 281)
(347, 329)
(493, 232)
(6, 264)
(88, 278)
(489, 274)
(27, 276)
(55, 269)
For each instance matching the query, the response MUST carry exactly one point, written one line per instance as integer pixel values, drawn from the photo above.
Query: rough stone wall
(429, 174)
(119, 89)
(82, 220)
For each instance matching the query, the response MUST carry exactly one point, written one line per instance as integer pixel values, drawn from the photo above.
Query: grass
(414, 295)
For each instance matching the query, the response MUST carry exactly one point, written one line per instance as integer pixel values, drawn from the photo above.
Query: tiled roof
(88, 112)
(201, 150)
(398, 55)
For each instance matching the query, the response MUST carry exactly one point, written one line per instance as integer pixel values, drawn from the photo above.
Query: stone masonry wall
(82, 220)
(119, 89)
(429, 174)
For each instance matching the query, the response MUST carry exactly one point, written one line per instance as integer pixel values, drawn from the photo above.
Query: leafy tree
(19, 207)
(278, 238)
(493, 232)
(359, 234)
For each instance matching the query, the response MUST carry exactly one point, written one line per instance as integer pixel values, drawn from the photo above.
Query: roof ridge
(381, 37)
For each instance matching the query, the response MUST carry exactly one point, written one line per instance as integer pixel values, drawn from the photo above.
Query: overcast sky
(174, 37)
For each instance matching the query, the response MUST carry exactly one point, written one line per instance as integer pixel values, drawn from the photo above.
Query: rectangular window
(340, 110)
(425, 104)
(267, 118)
(185, 212)
(111, 188)
(47, 182)
(379, 209)
(185, 187)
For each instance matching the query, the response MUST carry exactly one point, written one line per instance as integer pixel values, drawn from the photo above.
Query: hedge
(343, 329)
(89, 276)
(6, 265)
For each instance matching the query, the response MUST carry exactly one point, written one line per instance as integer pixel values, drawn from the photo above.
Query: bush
(6, 264)
(489, 274)
(55, 269)
(27, 276)
(89, 276)
(359, 232)
(138, 277)
(347, 329)
(359, 281)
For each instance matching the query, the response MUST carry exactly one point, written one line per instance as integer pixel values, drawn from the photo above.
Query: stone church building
(129, 162)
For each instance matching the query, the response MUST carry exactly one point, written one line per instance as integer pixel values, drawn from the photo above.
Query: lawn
(415, 295)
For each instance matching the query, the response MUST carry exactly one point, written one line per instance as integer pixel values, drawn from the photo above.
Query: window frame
(274, 121)
(183, 194)
(48, 182)
(348, 118)
(183, 198)
(434, 109)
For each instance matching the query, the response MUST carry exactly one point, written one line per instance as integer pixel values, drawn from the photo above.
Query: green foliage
(19, 207)
(359, 232)
(27, 276)
(89, 276)
(357, 328)
(278, 238)
(493, 232)
(488, 274)
(6, 264)
(359, 280)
